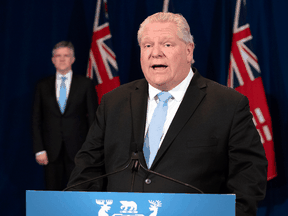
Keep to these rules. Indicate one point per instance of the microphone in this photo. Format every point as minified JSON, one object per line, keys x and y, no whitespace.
{"x":136,"y":165}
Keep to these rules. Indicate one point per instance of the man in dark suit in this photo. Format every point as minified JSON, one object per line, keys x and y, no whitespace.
{"x":64,"y":109}
{"x":208,"y":139}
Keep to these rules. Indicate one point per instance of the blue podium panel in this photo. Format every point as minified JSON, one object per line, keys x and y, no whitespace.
{"x":58,"y":203}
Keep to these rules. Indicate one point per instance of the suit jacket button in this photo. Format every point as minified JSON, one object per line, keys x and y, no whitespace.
{"x":148,"y":181}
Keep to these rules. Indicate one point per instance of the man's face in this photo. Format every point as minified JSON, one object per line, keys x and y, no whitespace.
{"x":63,"y":59}
{"x":165,"y":58}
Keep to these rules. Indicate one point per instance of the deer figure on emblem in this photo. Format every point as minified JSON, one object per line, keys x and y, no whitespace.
{"x":154,"y":207}
{"x":104,"y":207}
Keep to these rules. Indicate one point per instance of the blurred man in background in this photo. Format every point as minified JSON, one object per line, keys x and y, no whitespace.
{"x":64,"y":108}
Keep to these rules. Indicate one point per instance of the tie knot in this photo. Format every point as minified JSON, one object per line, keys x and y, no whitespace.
{"x":63,"y":78}
{"x":164,"y":96}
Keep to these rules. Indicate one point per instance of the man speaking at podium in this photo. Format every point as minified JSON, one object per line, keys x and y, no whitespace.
{"x":179,"y":126}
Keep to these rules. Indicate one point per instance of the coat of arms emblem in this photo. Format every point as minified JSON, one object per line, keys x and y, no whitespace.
{"x":128,"y":208}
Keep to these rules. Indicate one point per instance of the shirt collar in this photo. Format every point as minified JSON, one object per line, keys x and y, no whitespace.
{"x":67,"y":75}
{"x":177,"y":92}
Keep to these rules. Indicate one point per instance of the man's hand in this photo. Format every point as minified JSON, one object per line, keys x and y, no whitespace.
{"x":42,"y":159}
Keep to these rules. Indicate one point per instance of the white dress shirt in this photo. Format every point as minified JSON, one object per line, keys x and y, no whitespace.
{"x":67,"y":83}
{"x":173,"y":104}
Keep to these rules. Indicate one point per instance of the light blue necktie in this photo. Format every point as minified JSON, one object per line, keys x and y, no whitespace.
{"x":62,"y":97}
{"x":155,"y":130}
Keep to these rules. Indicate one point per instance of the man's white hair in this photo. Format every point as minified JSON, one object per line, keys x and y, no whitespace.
{"x":183,"y":29}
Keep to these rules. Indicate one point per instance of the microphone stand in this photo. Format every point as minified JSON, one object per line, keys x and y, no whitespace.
{"x":135,"y":167}
{"x":99,"y":177}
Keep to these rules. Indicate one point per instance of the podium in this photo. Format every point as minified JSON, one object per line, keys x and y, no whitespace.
{"x":71,"y":203}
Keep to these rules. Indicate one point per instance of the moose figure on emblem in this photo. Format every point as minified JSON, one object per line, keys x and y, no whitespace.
{"x":154,"y":207}
{"x":104,"y":207}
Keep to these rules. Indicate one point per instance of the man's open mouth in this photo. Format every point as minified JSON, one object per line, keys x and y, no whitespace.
{"x":159,"y":66}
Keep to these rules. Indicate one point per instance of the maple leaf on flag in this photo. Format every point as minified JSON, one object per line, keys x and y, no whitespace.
{"x":102,"y":65}
{"x":244,"y":76}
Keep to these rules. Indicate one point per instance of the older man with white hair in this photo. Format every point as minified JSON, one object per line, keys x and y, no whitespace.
{"x":188,"y":134}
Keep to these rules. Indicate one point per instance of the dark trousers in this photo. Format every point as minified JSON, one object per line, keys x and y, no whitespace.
{"x":57,"y":173}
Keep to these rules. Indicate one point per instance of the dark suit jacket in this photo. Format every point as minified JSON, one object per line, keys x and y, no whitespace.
{"x":51,"y":128}
{"x":212,"y":144}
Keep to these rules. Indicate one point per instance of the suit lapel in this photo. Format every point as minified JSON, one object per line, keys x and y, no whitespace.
{"x":193,"y":97}
{"x":52,"y":86}
{"x":73,"y":88}
{"x":139,"y":99}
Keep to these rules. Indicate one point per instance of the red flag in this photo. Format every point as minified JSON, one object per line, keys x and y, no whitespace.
{"x":244,"y":76}
{"x":102,"y":60}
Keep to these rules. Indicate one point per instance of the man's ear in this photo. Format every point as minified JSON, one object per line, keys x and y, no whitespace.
{"x":73,"y":60}
{"x":189,"y":51}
